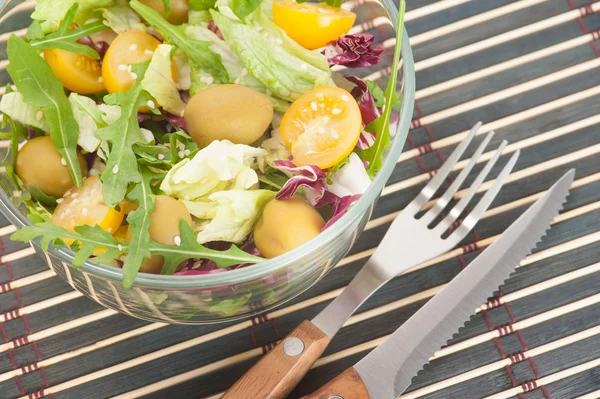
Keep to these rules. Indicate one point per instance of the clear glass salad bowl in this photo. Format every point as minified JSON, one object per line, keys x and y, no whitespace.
{"x":235,"y":294}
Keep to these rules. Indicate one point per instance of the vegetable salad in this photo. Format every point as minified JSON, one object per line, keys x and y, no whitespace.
{"x":191,"y":137}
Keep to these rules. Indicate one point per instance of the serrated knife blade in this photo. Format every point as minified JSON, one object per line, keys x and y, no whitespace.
{"x":388,"y":370}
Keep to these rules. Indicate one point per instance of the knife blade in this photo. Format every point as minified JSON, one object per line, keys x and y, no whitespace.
{"x":388,"y":370}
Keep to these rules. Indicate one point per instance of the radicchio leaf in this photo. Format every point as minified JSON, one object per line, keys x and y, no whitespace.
{"x":340,"y":206}
{"x":101,"y":46}
{"x":213,"y":27}
{"x":311,"y":178}
{"x":177,"y":121}
{"x":354,"y":51}
{"x":366,"y":101}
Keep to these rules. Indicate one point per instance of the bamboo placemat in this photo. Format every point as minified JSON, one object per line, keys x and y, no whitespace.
{"x":529,"y":69}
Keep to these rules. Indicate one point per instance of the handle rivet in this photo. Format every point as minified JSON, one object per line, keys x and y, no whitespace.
{"x":293,"y":346}
{"x":335,"y":397}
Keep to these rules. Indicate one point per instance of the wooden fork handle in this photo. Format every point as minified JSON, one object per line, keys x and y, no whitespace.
{"x":280,"y":370}
{"x":347,"y":385}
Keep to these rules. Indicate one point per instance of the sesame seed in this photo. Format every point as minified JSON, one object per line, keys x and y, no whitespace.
{"x":177,"y":240}
{"x":76,"y":200}
{"x":203,"y":79}
{"x":133,"y":47}
{"x":336,"y":111}
{"x":181,"y":154}
{"x":161,"y":156}
{"x":148,"y":52}
{"x":59,"y":200}
{"x":100,"y":79}
{"x":74,"y":195}
{"x":181,"y":146}
{"x":237,"y":81}
{"x":115,"y":170}
{"x":120,"y":247}
{"x":105,"y":23}
{"x":150,"y":104}
{"x":63,"y":162}
{"x":187,"y":152}
{"x":186,"y":197}
{"x":321,"y":129}
{"x":345,"y":98}
{"x":122,"y":258}
{"x":210,"y":80}
{"x":84,"y":211}
{"x":17,"y":193}
{"x":109,"y":230}
{"x":133,"y":75}
{"x":39,"y":115}
{"x":313,"y":105}
{"x":244,"y":72}
{"x":67,"y":193}
{"x":304,"y":67}
{"x":122,"y":67}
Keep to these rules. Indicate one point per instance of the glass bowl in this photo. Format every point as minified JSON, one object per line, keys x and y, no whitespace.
{"x":245,"y":292}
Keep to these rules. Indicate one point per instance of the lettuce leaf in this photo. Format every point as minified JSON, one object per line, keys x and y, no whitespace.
{"x":90,"y":117}
{"x":236,"y":213}
{"x":13,"y":105}
{"x":285,"y":75}
{"x":121,"y":18}
{"x":52,"y":12}
{"x":217,"y":167}
{"x":158,"y":81}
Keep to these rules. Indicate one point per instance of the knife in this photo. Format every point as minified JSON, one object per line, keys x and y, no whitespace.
{"x":387,"y":371}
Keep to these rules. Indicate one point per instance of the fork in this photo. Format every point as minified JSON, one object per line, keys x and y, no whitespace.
{"x":410,"y":241}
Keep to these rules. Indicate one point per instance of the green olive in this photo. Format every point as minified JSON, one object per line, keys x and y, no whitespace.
{"x":40,"y":165}
{"x":228,"y":112}
{"x":285,"y":225}
{"x":165,"y":218}
{"x":178,"y":13}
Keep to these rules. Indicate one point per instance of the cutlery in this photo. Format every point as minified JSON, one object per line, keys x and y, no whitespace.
{"x":280,"y":370}
{"x":388,"y":370}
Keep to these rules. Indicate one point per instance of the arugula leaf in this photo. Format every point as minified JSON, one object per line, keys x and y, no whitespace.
{"x":190,"y":249}
{"x":139,"y":222}
{"x":202,"y":5}
{"x":41,"y":196}
{"x":121,"y":165}
{"x":38,"y":85}
{"x":381,"y":125}
{"x":66,"y":39}
{"x":332,"y":3}
{"x":17,"y":131}
{"x":86,"y":238}
{"x":229,"y":307}
{"x":376,"y":92}
{"x":198,"y":51}
{"x":95,"y":113}
{"x":167,"y":4}
{"x":243,"y":8}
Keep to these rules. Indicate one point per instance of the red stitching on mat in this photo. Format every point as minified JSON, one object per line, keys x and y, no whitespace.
{"x":585,"y":10}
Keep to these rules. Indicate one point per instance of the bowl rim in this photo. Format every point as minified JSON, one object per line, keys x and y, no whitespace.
{"x":273,"y":265}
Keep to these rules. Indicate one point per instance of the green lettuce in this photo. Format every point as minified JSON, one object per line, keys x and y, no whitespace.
{"x":158,"y":81}
{"x":237,"y":72}
{"x":52,"y":12}
{"x":236,"y":213}
{"x":121,"y":18}
{"x":219,"y":166}
{"x":13,"y":105}
{"x":282,"y":73}
{"x":199,"y":17}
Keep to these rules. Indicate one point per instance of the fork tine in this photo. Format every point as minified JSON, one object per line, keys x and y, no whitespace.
{"x":489,"y":196}
{"x":437,"y":180}
{"x":447,"y":196}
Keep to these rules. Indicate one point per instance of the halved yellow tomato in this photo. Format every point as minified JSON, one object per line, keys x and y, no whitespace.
{"x":321,"y":127}
{"x":77,"y":72}
{"x":131,"y":47}
{"x":312,"y":25}
{"x":85,"y":206}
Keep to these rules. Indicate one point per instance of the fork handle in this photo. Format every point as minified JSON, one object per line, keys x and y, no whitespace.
{"x":280,"y":370}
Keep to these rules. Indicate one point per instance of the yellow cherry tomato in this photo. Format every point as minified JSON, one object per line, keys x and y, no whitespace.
{"x":85,"y":206}
{"x":77,"y":72}
{"x":321,"y":127}
{"x":131,"y":47}
{"x":312,"y":25}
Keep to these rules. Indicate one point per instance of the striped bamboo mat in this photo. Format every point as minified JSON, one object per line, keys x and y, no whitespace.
{"x":529,"y":69}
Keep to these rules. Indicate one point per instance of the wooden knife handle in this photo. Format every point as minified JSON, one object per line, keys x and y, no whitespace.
{"x":280,"y":370}
{"x":347,"y":385}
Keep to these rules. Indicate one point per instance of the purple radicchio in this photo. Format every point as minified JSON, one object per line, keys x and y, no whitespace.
{"x":213,"y":27}
{"x":339,"y":204}
{"x":368,"y":110}
{"x":100,"y":46}
{"x":354,"y":51}
{"x":310,"y":177}
{"x":177,"y":121}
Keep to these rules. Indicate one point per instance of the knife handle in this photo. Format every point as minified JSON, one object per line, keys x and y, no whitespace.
{"x":347,"y":385}
{"x":280,"y":370}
